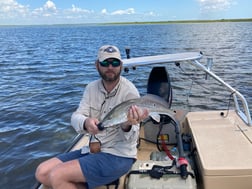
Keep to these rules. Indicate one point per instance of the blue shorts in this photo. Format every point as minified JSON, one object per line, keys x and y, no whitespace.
{"x":99,"y":168}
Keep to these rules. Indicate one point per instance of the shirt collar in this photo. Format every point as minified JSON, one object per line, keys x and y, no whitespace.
{"x":111,"y":93}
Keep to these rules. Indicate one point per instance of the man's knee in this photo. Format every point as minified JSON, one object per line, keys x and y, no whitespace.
{"x":40,"y":172}
{"x":55,"y":177}
{"x":44,"y":169}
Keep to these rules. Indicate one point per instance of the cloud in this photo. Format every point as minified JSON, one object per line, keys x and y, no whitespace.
{"x":79,"y":10}
{"x":49,"y":9}
{"x":49,"y":5}
{"x":12,"y":12}
{"x":12,"y":9}
{"x":151,"y":13}
{"x":123,"y":12}
{"x":119,"y":12}
{"x":75,"y":14}
{"x":215,"y":5}
{"x":104,"y":11}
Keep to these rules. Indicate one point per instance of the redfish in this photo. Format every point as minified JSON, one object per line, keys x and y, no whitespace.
{"x":155,"y":105}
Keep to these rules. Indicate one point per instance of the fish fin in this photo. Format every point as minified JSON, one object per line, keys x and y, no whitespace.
{"x":155,"y":116}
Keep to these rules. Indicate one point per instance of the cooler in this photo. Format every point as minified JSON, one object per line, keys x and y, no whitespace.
{"x":223,"y":150}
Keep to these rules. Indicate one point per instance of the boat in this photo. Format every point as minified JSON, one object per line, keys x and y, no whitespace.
{"x":202,"y":148}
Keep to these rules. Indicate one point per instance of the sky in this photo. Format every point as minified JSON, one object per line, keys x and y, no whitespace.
{"x":35,"y":12}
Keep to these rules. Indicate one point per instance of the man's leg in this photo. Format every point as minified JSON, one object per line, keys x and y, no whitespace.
{"x":67,"y":175}
{"x":43,"y":170}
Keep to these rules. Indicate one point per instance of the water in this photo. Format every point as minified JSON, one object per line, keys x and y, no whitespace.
{"x":44,"y":70}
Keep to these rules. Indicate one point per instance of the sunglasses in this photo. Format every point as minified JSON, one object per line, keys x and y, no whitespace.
{"x":114,"y":63}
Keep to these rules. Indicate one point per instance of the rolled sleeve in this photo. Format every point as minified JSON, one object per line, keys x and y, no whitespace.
{"x":77,"y":122}
{"x":80,"y":115}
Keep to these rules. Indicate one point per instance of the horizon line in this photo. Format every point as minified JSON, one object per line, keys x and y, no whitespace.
{"x":141,"y":22}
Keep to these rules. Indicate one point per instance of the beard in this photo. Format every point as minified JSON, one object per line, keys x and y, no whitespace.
{"x":110,"y":76}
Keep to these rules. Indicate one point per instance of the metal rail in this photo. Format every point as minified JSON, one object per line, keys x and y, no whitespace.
{"x":192,"y":58}
{"x":245,"y":116}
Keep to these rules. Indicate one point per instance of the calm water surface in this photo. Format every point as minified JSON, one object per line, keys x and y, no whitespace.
{"x":44,"y":70}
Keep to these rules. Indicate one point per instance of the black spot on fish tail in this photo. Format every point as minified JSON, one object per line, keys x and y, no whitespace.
{"x":100,"y":126}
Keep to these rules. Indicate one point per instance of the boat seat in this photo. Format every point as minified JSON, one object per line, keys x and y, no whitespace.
{"x":159,"y":84}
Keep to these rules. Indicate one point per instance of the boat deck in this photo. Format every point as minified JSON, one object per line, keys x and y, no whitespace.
{"x":223,"y":147}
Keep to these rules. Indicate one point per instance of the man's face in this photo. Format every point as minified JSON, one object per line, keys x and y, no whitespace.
{"x":110,"y":69}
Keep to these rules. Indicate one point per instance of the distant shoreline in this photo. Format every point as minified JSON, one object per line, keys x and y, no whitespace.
{"x":182,"y":21}
{"x":145,"y":22}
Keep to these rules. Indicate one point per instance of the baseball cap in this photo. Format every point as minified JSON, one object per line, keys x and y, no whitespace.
{"x":108,"y":51}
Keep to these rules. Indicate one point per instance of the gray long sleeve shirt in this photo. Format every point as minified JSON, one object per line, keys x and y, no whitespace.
{"x":97,"y":102}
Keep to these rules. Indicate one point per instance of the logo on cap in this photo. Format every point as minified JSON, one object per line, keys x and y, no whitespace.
{"x":110,"y":50}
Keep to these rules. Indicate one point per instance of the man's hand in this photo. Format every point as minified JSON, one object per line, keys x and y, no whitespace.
{"x":136,"y":115}
{"x":91,"y":125}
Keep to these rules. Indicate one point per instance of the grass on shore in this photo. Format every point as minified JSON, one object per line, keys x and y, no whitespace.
{"x":150,"y":22}
{"x":185,"y":21}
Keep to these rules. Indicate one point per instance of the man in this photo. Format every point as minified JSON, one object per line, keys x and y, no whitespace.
{"x":113,"y":150}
